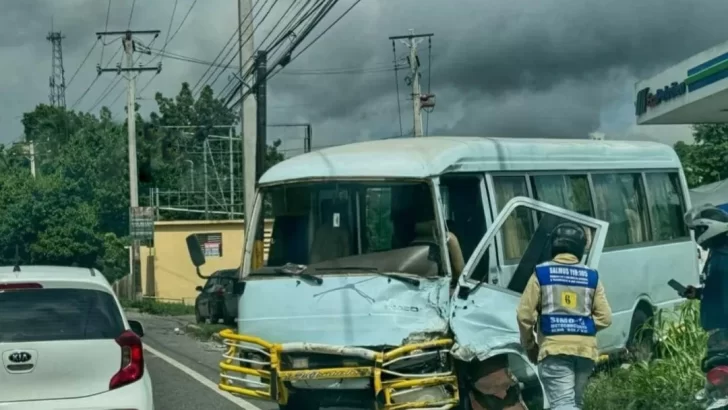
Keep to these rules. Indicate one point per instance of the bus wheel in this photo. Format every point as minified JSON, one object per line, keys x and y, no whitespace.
{"x":641,"y":343}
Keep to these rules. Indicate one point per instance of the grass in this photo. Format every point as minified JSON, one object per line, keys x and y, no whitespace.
{"x":154,"y":307}
{"x":668,"y":382}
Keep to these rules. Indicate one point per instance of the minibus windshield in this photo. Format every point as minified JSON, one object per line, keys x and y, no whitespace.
{"x":341,"y":226}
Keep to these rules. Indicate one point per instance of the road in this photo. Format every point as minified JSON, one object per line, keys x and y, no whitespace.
{"x":185,"y":371}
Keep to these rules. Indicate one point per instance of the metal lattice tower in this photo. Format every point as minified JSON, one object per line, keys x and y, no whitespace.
{"x":57,"y":79}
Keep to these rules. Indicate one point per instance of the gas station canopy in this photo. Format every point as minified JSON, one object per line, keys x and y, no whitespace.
{"x":692,"y":91}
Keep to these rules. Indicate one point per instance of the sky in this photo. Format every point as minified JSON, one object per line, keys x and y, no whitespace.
{"x":502,"y":68}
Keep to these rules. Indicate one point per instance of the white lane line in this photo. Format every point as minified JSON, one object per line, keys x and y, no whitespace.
{"x":202,"y":379}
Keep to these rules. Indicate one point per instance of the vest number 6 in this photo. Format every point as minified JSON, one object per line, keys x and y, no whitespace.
{"x":568,"y":300}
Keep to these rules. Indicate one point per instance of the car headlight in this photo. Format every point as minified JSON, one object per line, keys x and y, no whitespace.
{"x":299,"y":363}
{"x":417,"y":394}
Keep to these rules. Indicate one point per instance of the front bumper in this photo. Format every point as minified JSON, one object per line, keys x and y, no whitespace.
{"x":270,"y":376}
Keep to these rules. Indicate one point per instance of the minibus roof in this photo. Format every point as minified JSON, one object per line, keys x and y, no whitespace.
{"x":424,"y":157}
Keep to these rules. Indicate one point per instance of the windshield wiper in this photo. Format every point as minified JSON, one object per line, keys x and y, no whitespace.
{"x":401,"y":278}
{"x":290,"y":269}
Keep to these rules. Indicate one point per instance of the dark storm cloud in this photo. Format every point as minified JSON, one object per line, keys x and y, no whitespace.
{"x":486,"y":52}
{"x":499,"y":67}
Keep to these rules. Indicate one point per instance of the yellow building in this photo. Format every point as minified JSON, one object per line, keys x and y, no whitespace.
{"x":167,"y":271}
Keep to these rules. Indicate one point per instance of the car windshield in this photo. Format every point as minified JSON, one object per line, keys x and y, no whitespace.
{"x":350,"y":227}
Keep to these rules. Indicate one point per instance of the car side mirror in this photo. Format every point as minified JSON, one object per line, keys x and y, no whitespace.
{"x":136,"y":327}
{"x":198,"y":288}
{"x":195,"y":251}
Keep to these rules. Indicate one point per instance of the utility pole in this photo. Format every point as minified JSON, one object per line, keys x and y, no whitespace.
{"x":130,"y":70}
{"x":204,"y":172}
{"x":248,"y":107}
{"x":412,"y":40}
{"x":31,"y":152}
{"x":57,"y":80}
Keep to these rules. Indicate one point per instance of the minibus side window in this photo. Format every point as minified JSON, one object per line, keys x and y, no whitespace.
{"x":666,"y":206}
{"x":619,"y":199}
{"x":565,"y":191}
{"x":518,"y":228}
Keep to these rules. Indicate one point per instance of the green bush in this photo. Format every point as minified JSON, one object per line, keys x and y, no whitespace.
{"x":668,"y":382}
{"x":154,"y":307}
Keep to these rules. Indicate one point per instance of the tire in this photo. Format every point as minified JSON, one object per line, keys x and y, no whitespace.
{"x":199,"y":319}
{"x":299,"y":402}
{"x":641,"y":344}
{"x":226,"y":317}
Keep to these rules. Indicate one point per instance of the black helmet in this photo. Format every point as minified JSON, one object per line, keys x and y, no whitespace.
{"x":568,"y":237}
{"x":710,"y":225}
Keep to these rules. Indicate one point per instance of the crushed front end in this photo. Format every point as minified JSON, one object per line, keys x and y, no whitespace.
{"x":415,"y":375}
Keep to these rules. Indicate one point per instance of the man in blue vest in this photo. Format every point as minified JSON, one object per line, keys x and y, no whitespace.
{"x":568,"y":302}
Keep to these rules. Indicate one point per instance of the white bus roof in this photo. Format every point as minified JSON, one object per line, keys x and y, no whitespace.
{"x":429,"y":156}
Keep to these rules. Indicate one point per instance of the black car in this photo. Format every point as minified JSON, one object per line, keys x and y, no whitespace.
{"x":216,"y":299}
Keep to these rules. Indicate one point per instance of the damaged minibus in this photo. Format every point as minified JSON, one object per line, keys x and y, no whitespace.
{"x":393,"y":269}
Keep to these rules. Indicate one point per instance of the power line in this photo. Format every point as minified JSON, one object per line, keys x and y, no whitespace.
{"x":106,"y":27}
{"x":169,"y":38}
{"x":112,"y":84}
{"x":324,"y":7}
{"x":93,"y":82}
{"x":291,"y":31}
{"x":319,"y":36}
{"x":82,"y":62}
{"x":237,"y":30}
{"x":240,"y":28}
{"x":131,"y":14}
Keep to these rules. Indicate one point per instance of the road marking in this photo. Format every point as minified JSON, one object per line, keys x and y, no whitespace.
{"x":202,"y":379}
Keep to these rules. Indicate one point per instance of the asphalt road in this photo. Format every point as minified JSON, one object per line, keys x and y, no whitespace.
{"x":184,"y":371}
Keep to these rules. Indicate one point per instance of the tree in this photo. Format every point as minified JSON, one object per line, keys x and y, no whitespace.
{"x":706,"y":160}
{"x":75,"y":211}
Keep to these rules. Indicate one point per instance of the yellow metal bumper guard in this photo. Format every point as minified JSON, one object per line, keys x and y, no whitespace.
{"x":390,"y":394}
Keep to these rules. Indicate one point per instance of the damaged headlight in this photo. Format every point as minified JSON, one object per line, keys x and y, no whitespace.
{"x":299,"y":363}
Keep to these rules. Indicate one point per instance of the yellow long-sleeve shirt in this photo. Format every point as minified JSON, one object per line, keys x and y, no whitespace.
{"x":574,"y":345}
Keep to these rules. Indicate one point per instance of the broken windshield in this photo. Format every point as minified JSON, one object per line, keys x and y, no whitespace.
{"x":351,"y":227}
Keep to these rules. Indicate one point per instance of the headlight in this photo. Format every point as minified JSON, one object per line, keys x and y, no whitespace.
{"x":300,"y":363}
{"x":428,"y":394}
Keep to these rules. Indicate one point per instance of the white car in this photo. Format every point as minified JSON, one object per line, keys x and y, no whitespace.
{"x":65,"y":343}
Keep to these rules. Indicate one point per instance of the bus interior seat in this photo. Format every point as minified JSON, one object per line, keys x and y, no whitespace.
{"x":330,"y":242}
{"x":288,"y":231}
{"x":425,"y":233}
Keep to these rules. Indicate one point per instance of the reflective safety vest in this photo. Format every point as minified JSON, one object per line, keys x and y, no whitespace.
{"x":567,"y":298}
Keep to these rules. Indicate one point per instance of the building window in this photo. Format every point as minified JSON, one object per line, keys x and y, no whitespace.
{"x":666,"y":206}
{"x":211,"y":244}
{"x":518,"y":228}
{"x":565,"y":191}
{"x":620,"y":200}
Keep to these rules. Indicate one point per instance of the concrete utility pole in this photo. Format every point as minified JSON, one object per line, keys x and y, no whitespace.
{"x":412,"y":40}
{"x":248,"y":108}
{"x":130,"y":70}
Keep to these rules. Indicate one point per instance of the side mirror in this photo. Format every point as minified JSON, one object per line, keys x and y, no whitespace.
{"x":136,"y":327}
{"x":195,"y":251}
{"x":198,"y":288}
